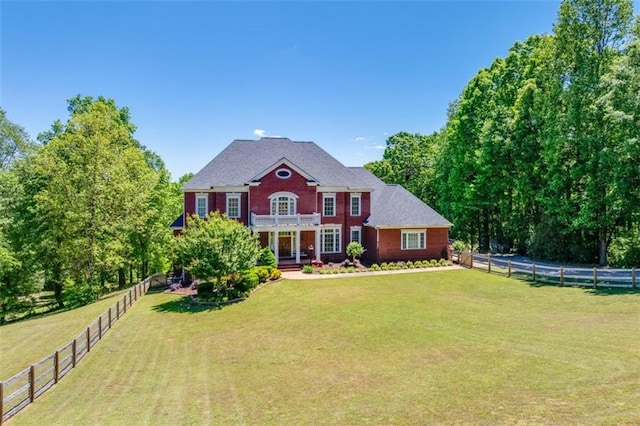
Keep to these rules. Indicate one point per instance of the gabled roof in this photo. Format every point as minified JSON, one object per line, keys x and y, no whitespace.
{"x":394,"y":206}
{"x":241,"y":161}
{"x":244,"y":161}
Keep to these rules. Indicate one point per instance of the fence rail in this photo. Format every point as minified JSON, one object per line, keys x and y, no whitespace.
{"x":24,"y":387}
{"x":560,"y":275}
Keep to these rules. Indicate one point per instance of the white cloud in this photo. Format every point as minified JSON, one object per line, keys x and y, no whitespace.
{"x":380,"y":147}
{"x":360,"y":139}
{"x":260,"y":133}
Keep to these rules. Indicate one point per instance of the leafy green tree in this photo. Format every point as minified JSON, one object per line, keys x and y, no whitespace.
{"x":267,"y":258}
{"x":355,"y":250}
{"x":215,"y":247}
{"x":14,"y":141}
{"x":88,"y":189}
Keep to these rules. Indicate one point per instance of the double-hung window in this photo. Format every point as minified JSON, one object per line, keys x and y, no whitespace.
{"x":414,"y":239}
{"x":329,"y":204}
{"x":355,"y":204}
{"x":356,"y":234}
{"x":202,"y":205}
{"x":330,"y":240}
{"x":233,"y":205}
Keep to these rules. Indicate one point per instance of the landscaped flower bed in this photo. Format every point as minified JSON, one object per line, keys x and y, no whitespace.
{"x":348,"y":267}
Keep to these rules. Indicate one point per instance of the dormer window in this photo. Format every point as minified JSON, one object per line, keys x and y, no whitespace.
{"x":283,"y":173}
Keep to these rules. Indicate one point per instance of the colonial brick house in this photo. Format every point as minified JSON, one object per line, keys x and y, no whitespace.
{"x":306,"y":205}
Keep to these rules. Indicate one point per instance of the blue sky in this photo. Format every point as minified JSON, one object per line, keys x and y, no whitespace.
{"x":197,"y":75}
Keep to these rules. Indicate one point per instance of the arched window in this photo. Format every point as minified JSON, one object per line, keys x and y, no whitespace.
{"x":283,"y":204}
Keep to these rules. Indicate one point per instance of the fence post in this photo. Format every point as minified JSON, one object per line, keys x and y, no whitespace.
{"x":595,"y":278}
{"x":74,"y":352}
{"x":117,"y":309}
{"x":509,"y":268}
{"x":489,"y":263}
{"x":56,"y":367}
{"x":633,"y":278}
{"x":130,"y":301}
{"x":100,"y":327}
{"x":109,"y":317}
{"x":124,"y":304}
{"x":32,"y":383}
{"x":470,"y":260}
{"x":1,"y":402}
{"x":88,"y":339}
{"x":561,"y":276}
{"x":533,"y":272}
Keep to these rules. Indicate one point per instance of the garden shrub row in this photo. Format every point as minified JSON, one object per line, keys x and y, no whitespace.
{"x":238,"y":285}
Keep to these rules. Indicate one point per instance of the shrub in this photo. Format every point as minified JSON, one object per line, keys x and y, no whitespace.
{"x":335,"y":271}
{"x":375,"y":267}
{"x":263,"y":273}
{"x":267,"y":258}
{"x":354,"y":250}
{"x":443,"y":262}
{"x":205,"y":289}
{"x":248,"y":281}
{"x":351,"y":269}
{"x":433,"y":262}
{"x":275,"y":274}
{"x":409,"y":264}
{"x":307,"y":269}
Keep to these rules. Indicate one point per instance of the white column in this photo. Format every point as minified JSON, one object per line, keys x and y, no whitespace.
{"x":275,"y":246}
{"x":318,"y":248}
{"x":297,"y":244}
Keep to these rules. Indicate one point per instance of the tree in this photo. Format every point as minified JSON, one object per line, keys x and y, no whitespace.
{"x":355,"y":250}
{"x":87,"y":189}
{"x":215,"y":247}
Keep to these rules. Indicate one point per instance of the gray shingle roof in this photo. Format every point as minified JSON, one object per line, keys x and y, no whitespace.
{"x":393,"y":205}
{"x":241,"y":161}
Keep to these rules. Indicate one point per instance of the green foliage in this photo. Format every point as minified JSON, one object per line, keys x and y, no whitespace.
{"x":263,"y":273}
{"x":216,"y":247}
{"x":276,"y":274}
{"x":205,"y":289}
{"x":267,"y":258}
{"x":307,"y":269}
{"x":459,"y":245}
{"x":355,"y":250}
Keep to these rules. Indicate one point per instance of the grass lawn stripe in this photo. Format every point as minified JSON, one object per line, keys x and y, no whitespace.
{"x":436,"y":347}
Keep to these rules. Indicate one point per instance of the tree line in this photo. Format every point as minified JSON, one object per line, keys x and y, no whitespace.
{"x":83,"y":210}
{"x":540,"y":153}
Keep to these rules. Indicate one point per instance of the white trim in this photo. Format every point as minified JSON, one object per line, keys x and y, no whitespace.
{"x":355,"y":228}
{"x":336,"y":233}
{"x":355,"y":196}
{"x":326,"y":196}
{"x":292,"y":199}
{"x":234,"y":196}
{"x":205,"y":197}
{"x":421,"y":241}
{"x":282,"y":169}
{"x":281,"y":162}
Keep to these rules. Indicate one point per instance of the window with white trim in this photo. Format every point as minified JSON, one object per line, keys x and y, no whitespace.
{"x":414,"y":240}
{"x":356,"y":234}
{"x":283,"y":205}
{"x":233,"y":205}
{"x":356,"y":201}
{"x":202,"y":205}
{"x":328,"y":204}
{"x":330,"y":240}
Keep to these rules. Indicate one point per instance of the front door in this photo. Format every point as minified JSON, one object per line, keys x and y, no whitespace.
{"x":286,"y":244}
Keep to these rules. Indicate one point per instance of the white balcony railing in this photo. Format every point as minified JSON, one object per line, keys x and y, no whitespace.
{"x":288,"y":220}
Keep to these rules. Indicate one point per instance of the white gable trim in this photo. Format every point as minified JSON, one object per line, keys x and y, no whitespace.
{"x":283,"y":162}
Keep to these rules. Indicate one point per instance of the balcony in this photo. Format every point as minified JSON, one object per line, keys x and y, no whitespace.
{"x":282,"y":220}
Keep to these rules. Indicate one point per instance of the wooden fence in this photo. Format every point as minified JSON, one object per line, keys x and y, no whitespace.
{"x":23,"y":388}
{"x":560,"y":275}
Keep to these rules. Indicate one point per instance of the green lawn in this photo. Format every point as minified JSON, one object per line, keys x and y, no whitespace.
{"x":26,"y":342}
{"x":433,"y":347}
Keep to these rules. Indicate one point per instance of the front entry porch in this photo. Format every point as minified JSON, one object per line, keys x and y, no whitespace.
{"x":292,"y":246}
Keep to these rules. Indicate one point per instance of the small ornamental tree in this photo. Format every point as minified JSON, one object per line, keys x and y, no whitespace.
{"x":216,"y":247}
{"x":355,"y":250}
{"x":267,"y":258}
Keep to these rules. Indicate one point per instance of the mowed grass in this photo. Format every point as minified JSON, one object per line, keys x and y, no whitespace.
{"x":434,"y":347}
{"x":26,"y":342}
